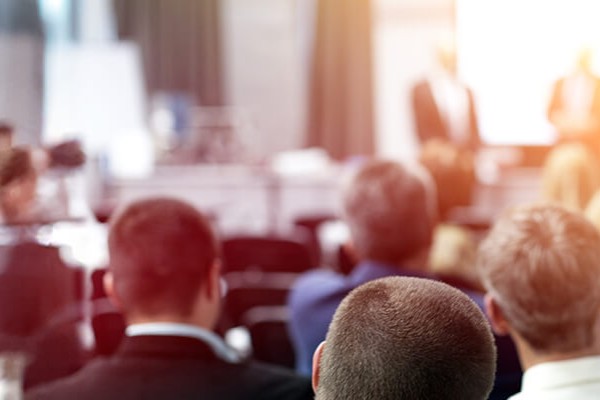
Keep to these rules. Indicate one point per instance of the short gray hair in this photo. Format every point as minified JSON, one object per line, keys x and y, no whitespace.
{"x":541,"y":264}
{"x":390,"y":209}
{"x":407,"y":338}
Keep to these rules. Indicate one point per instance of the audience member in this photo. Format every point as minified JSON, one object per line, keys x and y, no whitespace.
{"x":406,"y":338}
{"x":7,"y":133}
{"x":443,"y":106}
{"x":37,"y":289}
{"x":541,"y":267}
{"x":18,"y":180}
{"x":390,"y":211}
{"x":164,"y":276}
{"x":570,"y":176}
{"x":20,"y":170}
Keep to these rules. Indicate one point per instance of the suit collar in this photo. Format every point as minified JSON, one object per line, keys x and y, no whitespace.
{"x":185,"y":330}
{"x":167,"y":347}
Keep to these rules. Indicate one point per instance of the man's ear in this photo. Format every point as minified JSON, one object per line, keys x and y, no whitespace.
{"x":496,"y":316}
{"x":212,"y":288}
{"x":109,"y":289}
{"x":316,"y":365}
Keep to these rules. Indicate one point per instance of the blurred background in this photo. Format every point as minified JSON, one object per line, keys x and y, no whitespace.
{"x":182,"y":96}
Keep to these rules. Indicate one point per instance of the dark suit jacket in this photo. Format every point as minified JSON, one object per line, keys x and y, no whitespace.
{"x":429,"y":122}
{"x":38,"y":310}
{"x":35,"y":286}
{"x":169,"y":367}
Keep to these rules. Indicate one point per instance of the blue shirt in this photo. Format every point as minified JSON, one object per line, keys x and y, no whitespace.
{"x":315,"y":297}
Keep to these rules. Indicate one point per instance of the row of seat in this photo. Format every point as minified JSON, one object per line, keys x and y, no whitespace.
{"x":258,"y":273}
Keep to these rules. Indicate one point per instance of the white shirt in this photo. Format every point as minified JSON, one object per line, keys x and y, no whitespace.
{"x":452,"y":100}
{"x":185,"y":330}
{"x":576,"y":379}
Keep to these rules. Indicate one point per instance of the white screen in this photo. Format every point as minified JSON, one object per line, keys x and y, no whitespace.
{"x":512,"y":51}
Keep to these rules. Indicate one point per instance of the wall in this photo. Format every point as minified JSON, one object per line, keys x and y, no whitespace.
{"x":404,"y":35}
{"x":266,"y":56}
{"x":265,"y":72}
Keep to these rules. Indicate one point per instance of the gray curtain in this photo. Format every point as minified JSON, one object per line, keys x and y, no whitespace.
{"x":22,"y":68}
{"x":180,"y":45}
{"x":341,"y":100}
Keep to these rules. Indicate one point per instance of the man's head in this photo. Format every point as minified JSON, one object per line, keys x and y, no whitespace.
{"x":18,"y":182}
{"x":406,"y":338}
{"x":6,"y":135}
{"x":163,"y":262}
{"x":541,"y":267}
{"x":390,"y":210}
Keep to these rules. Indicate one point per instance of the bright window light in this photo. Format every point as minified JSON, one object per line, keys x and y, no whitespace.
{"x":512,"y":51}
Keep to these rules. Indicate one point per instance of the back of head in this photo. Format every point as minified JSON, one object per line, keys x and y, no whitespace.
{"x":161,"y":251}
{"x":571,"y":175}
{"x":18,"y":180}
{"x":15,"y":164}
{"x":390,"y":210}
{"x":407,"y":338}
{"x":541,"y":265}
{"x":6,"y":135}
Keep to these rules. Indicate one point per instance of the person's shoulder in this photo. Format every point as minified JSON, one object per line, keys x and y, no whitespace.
{"x":275,"y":382}
{"x":320,"y":276}
{"x":316,"y":283}
{"x":76,"y":386}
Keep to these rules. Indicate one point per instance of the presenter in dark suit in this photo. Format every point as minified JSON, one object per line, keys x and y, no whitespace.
{"x":164,"y":276}
{"x":444,"y":107}
{"x":574,"y":108}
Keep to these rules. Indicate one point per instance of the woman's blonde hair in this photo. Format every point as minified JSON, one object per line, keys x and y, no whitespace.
{"x":571,"y":176}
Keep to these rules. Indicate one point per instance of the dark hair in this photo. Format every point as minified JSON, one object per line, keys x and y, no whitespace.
{"x":541,"y":264}
{"x":161,"y":251}
{"x":15,"y":164}
{"x":6,"y":129}
{"x":407,"y":338}
{"x":390,"y":209}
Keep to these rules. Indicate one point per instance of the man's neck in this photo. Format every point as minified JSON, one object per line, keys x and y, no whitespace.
{"x":530,"y":358}
{"x":137,"y":319}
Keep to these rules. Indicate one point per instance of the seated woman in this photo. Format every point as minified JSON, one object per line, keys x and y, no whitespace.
{"x":37,"y":289}
{"x":570,"y":176}
{"x":18,"y":182}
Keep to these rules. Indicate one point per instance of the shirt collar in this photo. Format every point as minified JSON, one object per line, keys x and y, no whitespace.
{"x":185,"y":330}
{"x":368,"y":270}
{"x":557,"y":374}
